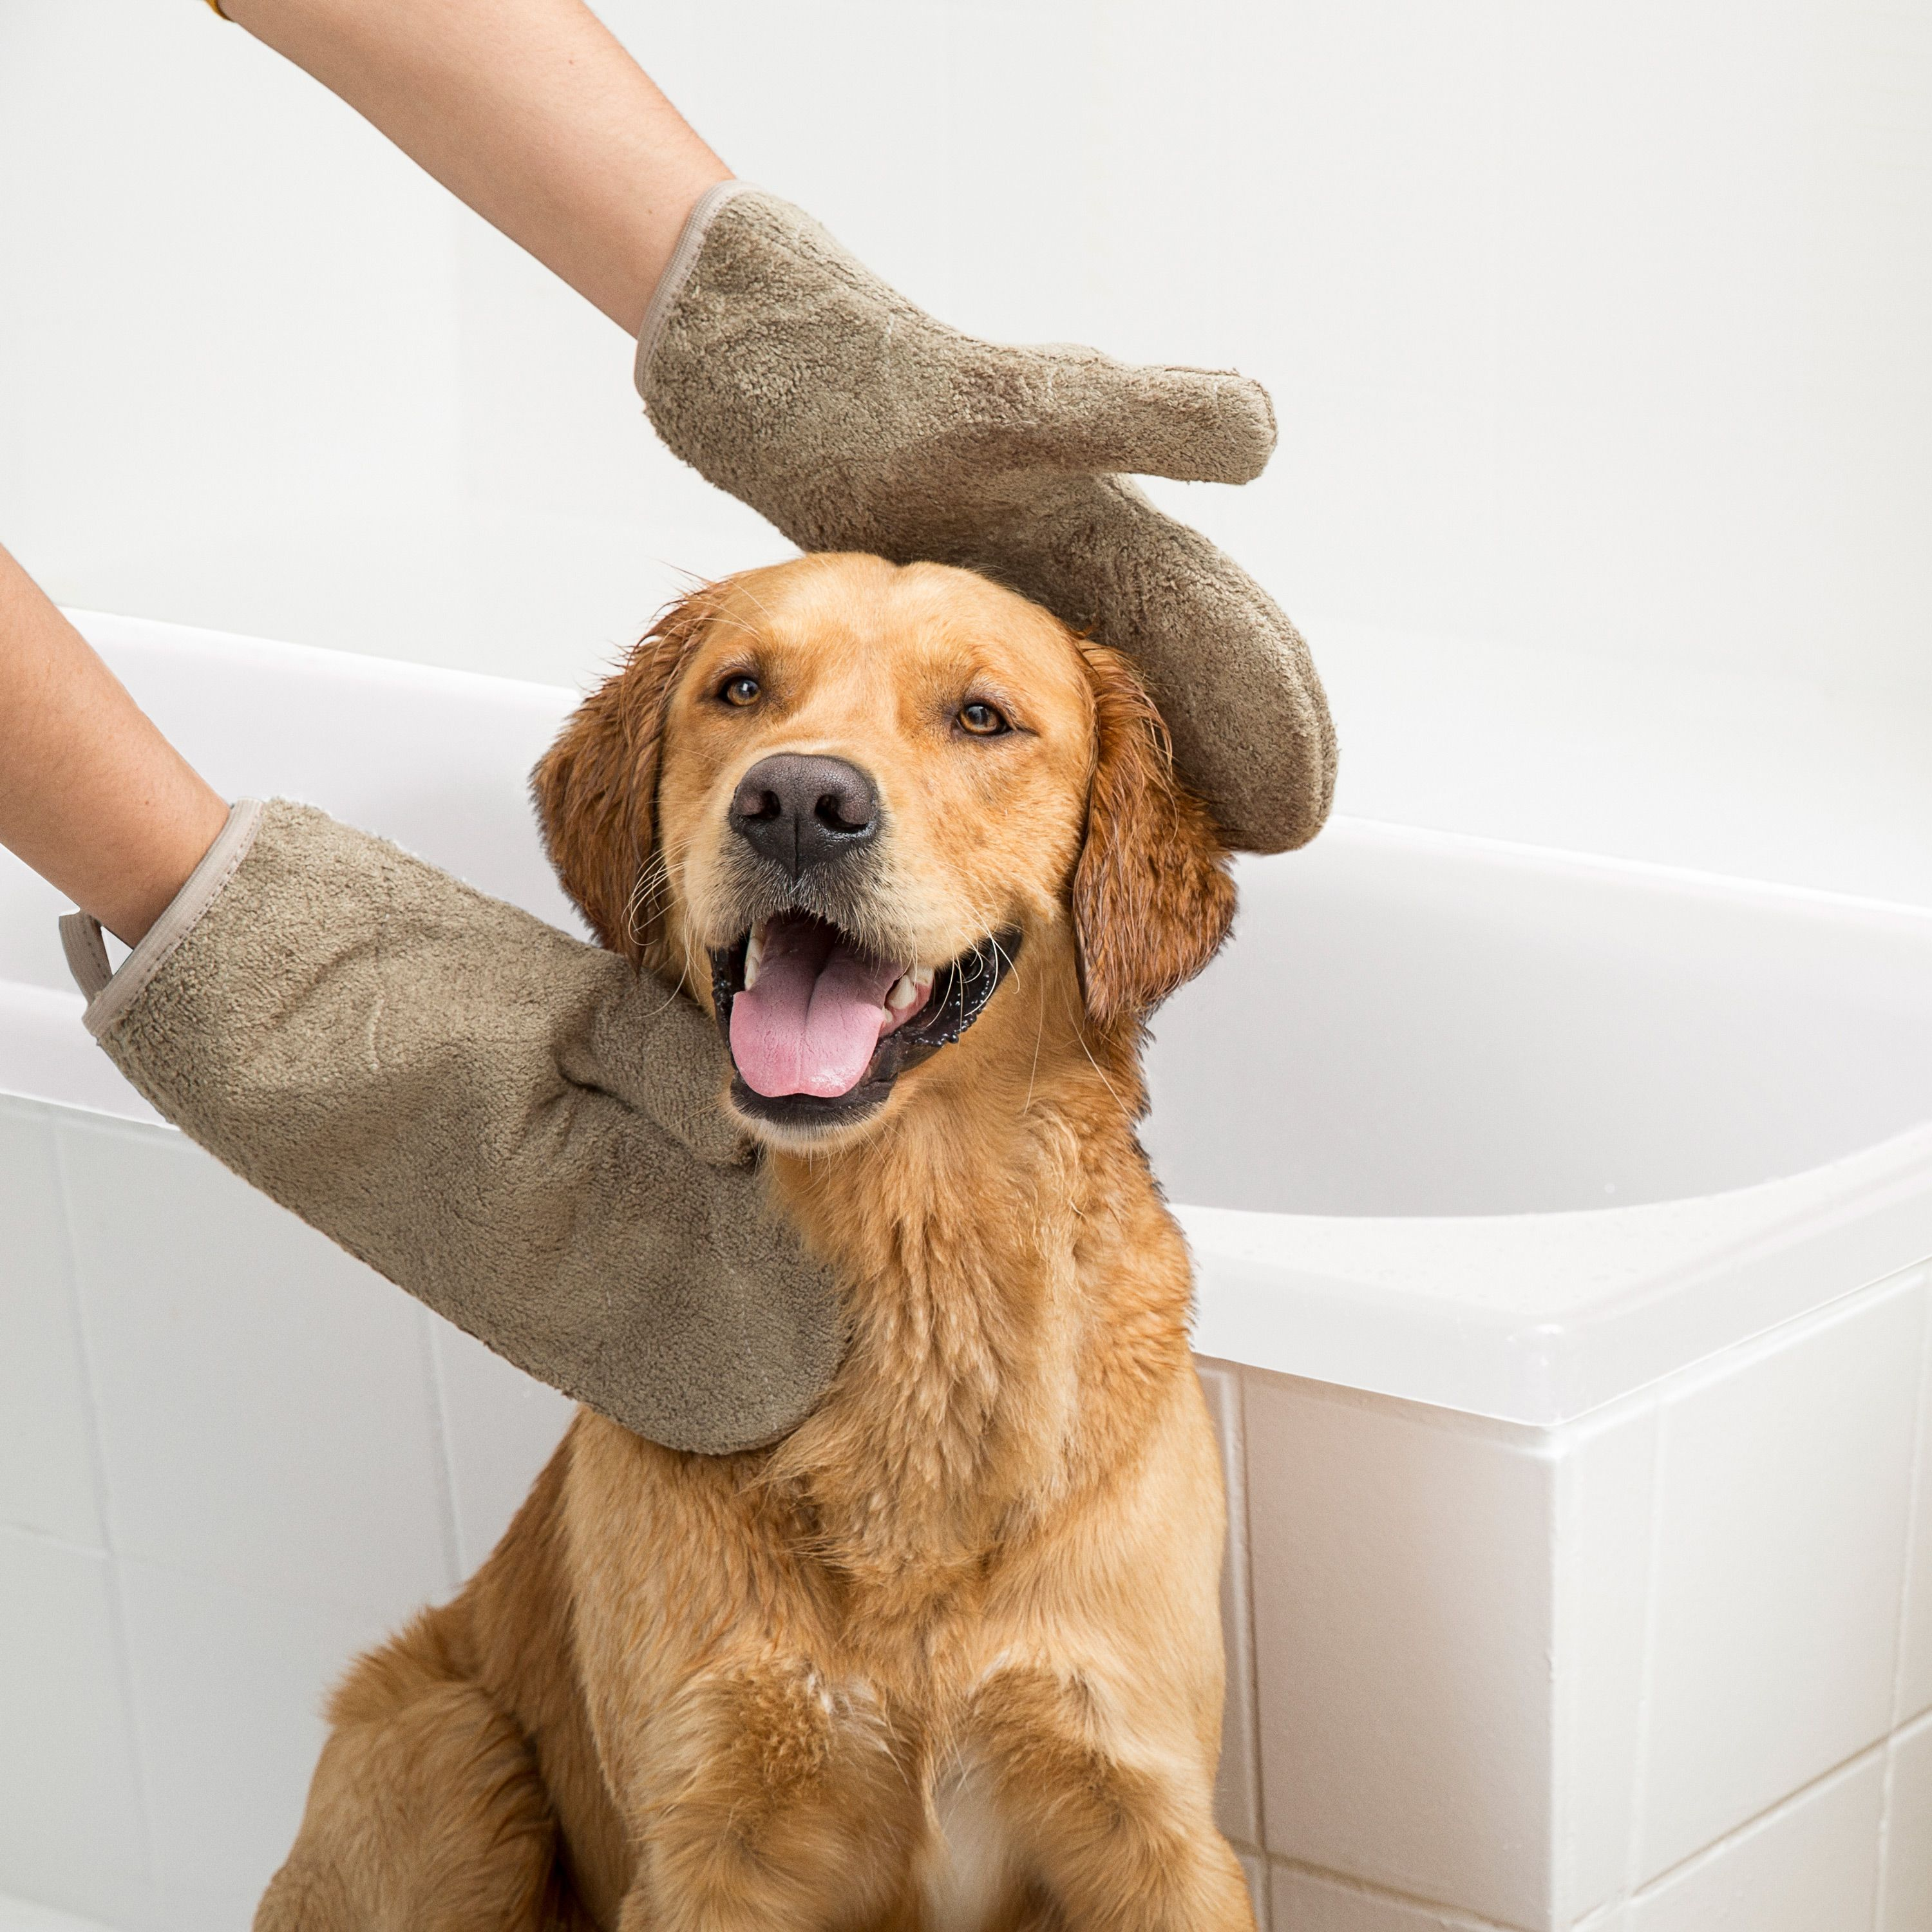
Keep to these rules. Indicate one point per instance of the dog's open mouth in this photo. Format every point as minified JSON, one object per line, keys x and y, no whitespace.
{"x":820,"y":1027}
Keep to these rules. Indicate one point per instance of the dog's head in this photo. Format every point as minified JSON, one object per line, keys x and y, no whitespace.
{"x":847,"y":801}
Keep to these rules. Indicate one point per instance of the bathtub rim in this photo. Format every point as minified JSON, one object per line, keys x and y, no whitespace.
{"x":1278,"y":1291}
{"x":1361,"y":1304}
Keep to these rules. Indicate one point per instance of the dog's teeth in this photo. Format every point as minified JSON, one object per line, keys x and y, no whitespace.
{"x":754,"y":951}
{"x":909,"y":990}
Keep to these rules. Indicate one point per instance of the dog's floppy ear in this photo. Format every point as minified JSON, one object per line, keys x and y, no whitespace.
{"x":596,"y":787}
{"x":1152,"y":898}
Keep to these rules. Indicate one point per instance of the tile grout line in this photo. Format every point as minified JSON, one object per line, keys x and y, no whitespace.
{"x":1565,"y":1543}
{"x":1915,"y":1495}
{"x":1921,"y":1416}
{"x":1452,"y":1917}
{"x":53,"y":1540}
{"x":1609,"y":1914}
{"x":437,"y":1395}
{"x":260,"y":1595}
{"x":117,"y":1606}
{"x":1636,"y":1886}
{"x":1647,"y":1665}
{"x":1759,"y":1821}
{"x":1251,"y":1714}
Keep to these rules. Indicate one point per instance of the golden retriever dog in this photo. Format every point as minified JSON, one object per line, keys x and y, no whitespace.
{"x":948,"y":1657}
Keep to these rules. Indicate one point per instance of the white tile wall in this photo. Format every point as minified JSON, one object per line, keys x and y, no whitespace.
{"x":1783,"y":1489}
{"x":46,"y":1454}
{"x":1914,"y":1676}
{"x":1614,"y":1917}
{"x":306,"y":1464}
{"x":1528,"y":1675}
{"x":1810,"y":1866}
{"x":1311,"y":1901}
{"x":1254,"y":1868}
{"x":18,"y":1915}
{"x":229,"y":1687}
{"x":1907,"y":1884}
{"x":1238,"y":1794}
{"x":500,"y":1426}
{"x":1606,"y":1484}
{"x":72,"y":1830}
{"x":295,"y":1458}
{"x":1402,"y":1629}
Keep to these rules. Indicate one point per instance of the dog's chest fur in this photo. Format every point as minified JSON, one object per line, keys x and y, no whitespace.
{"x":908,"y":1546}
{"x":971,"y":1867}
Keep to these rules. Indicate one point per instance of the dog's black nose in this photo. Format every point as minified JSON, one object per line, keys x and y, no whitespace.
{"x":802,"y":811}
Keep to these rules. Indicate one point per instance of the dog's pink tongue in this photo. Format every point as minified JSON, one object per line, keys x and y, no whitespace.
{"x":811,"y":1023}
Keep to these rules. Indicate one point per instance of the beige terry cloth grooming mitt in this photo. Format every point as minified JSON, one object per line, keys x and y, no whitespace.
{"x":513,"y":1126}
{"x":789,"y":374}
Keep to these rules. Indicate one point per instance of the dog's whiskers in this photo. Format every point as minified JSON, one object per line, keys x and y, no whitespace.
{"x":1080,"y":1033}
{"x":1040,"y":1034}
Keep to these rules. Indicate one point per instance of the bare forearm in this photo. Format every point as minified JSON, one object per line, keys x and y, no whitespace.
{"x":92,"y":796}
{"x":528,"y":110}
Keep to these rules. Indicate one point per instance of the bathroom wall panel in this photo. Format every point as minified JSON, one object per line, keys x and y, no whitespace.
{"x":1784,"y":1486}
{"x":1915,"y":1670}
{"x":1238,"y":1789}
{"x":73,"y":1832}
{"x":1306,"y":1901}
{"x":1254,"y":1869}
{"x":1810,"y":1866}
{"x":264,"y":1400}
{"x":229,"y":1687}
{"x":191,"y":1908}
{"x":46,"y":1449}
{"x":1387,"y":1539}
{"x":19,"y":1915}
{"x":1605,"y":1472}
{"x":1907,"y":1885}
{"x":501,"y":1427}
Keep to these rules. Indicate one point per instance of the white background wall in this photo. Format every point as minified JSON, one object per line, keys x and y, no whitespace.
{"x":1601,"y":340}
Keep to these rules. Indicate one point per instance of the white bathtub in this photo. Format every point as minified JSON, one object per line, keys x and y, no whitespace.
{"x":1563,"y":1229}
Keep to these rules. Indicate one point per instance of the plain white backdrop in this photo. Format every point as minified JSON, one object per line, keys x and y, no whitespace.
{"x":1598,"y":337}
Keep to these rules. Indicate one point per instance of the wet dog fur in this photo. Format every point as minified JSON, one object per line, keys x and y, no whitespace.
{"x":947,"y":1658}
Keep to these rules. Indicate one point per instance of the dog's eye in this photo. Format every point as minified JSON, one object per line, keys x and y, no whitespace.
{"x":741,"y":690}
{"x":982,"y":720}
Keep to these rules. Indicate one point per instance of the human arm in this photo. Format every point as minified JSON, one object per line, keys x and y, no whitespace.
{"x":92,"y":796}
{"x":530,"y":111}
{"x":779,"y":367}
